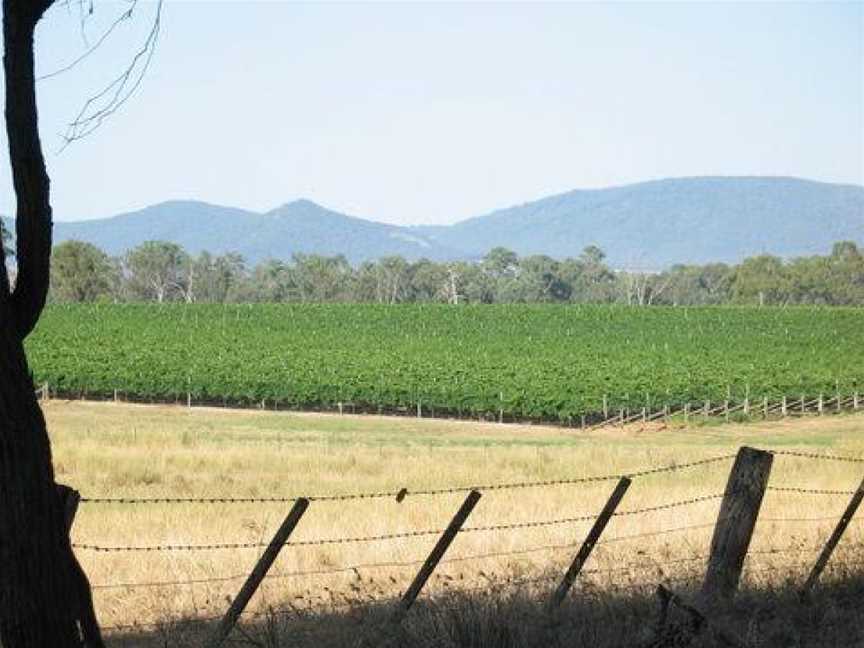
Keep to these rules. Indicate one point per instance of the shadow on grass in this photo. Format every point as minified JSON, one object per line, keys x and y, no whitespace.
{"x":761,"y":616}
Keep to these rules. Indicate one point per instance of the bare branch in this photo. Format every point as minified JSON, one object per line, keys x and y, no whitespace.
{"x":126,"y":15}
{"x":104,"y":104}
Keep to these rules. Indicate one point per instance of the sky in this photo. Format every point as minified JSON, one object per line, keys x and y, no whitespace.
{"x":416,"y":113}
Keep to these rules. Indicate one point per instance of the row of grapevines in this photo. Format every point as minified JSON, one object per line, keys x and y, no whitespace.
{"x":529,"y":361}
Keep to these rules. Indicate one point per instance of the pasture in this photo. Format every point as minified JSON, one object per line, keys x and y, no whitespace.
{"x":338,"y":562}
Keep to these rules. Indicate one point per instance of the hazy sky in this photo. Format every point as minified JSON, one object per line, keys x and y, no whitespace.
{"x":429,"y":113}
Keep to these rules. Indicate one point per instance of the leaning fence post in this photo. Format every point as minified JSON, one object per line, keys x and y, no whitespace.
{"x":829,"y":547}
{"x":258,"y":573}
{"x":435,"y":556}
{"x":591,"y":540}
{"x":736,"y":521}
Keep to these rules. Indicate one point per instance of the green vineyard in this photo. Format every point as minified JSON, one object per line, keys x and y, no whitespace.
{"x":522,"y":361}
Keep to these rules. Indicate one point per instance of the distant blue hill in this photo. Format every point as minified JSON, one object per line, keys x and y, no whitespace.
{"x":660,"y":223}
{"x":650,"y":225}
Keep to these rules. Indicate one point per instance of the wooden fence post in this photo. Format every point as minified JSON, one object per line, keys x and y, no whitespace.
{"x":605,"y":407}
{"x":69,"y":500}
{"x":783,"y":408}
{"x":736,"y":520}
{"x":821,"y":405}
{"x":765,"y":406}
{"x":829,"y":547}
{"x":707,"y":409}
{"x":435,"y":556}
{"x":591,"y":540}
{"x":258,"y":573}
{"x":855,"y":400}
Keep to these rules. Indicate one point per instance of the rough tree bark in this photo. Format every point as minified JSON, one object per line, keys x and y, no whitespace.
{"x":40,"y":581}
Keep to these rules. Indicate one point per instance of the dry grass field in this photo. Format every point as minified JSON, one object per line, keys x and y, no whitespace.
{"x":119,"y":450}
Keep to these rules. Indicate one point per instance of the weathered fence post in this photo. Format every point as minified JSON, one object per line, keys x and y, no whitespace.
{"x":803,"y":408}
{"x":435,"y":556}
{"x":707,"y":409}
{"x":829,"y":547}
{"x":69,"y":500}
{"x":736,"y":521}
{"x":783,"y":407}
{"x":855,"y":400}
{"x":686,"y":413}
{"x":591,"y":540}
{"x":644,"y":415}
{"x":605,"y":407}
{"x":258,"y":573}
{"x":765,"y":406}
{"x":821,"y":405}
{"x":726,"y":410}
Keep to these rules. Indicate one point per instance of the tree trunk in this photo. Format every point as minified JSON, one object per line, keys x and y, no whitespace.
{"x":39,"y":593}
{"x":37,"y":600}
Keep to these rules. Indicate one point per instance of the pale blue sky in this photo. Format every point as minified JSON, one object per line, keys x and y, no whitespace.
{"x":429,"y":113}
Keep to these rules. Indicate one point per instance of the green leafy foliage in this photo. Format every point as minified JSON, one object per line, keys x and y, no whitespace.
{"x":532,"y":361}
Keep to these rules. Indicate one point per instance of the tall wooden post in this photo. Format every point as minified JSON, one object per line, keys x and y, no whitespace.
{"x":736,"y":521}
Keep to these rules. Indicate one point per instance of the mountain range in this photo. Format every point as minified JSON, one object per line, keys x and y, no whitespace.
{"x":650,"y":225}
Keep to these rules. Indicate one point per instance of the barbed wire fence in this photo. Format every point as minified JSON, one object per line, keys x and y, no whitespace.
{"x":729,"y":555}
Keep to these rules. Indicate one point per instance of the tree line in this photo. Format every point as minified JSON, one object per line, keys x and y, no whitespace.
{"x":159,"y":271}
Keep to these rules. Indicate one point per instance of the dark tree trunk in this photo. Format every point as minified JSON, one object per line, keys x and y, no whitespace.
{"x":39,"y":577}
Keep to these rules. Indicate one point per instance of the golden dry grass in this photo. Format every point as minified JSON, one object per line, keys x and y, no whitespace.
{"x":106,"y":449}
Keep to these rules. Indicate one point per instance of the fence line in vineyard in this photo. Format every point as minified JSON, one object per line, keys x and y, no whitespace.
{"x":708,"y":410}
